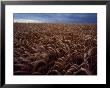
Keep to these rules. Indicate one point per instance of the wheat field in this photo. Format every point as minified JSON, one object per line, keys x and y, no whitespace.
{"x":55,"y":49}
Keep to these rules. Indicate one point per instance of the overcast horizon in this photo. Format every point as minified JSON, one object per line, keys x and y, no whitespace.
{"x":55,"y":17}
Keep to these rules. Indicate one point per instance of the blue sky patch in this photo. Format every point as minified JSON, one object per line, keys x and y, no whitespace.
{"x":56,"y":17}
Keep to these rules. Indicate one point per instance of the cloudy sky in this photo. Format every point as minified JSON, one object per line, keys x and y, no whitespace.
{"x":56,"y":17}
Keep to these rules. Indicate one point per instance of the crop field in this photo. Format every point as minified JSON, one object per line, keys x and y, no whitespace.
{"x":55,"y":49}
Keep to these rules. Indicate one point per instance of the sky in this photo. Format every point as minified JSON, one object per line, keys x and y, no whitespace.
{"x":56,"y":17}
